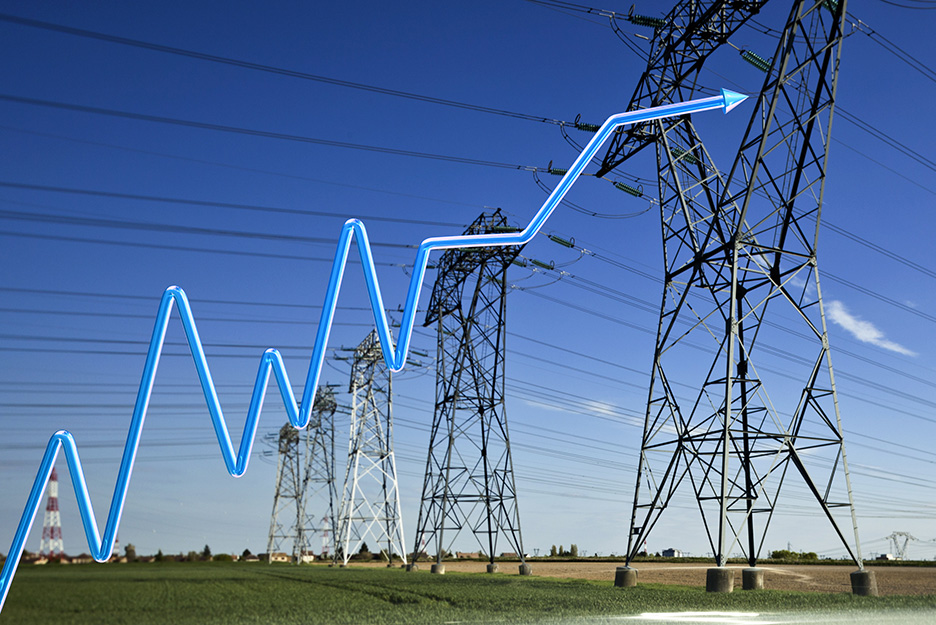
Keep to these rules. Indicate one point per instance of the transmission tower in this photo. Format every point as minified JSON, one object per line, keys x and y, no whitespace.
{"x":469,"y":480}
{"x":735,"y":245}
{"x":305,"y":480}
{"x":51,"y":544}
{"x":899,"y":541}
{"x":370,"y":504}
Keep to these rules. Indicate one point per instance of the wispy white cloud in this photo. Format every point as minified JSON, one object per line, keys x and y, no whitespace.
{"x":864,"y":331}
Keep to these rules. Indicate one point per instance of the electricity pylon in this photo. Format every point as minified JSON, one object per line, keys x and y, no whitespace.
{"x":469,"y":480}
{"x":899,"y":541}
{"x":370,"y":503}
{"x":305,"y":480}
{"x":734,"y":246}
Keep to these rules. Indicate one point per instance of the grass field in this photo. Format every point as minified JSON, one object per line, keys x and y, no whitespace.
{"x":258,"y":593}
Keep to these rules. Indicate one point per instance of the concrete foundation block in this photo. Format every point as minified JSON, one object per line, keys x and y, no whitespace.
{"x":719,"y":579}
{"x":412,"y":566}
{"x":492,"y":567}
{"x":752,"y":579}
{"x":438,"y":569}
{"x":863,"y":583}
{"x":625,"y":577}
{"x":526,"y":569}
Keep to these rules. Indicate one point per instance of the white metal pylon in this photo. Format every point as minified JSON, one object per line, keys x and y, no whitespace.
{"x":303,"y":503}
{"x":370,"y":503}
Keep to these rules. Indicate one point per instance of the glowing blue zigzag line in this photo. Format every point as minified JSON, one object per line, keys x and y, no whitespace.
{"x":272,"y":361}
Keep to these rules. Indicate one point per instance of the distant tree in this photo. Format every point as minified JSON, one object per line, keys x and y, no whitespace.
{"x":223,"y":557}
{"x":246,"y":553}
{"x":562,"y":550}
{"x":130,"y":552}
{"x":573,"y":550}
{"x":159,"y":557}
{"x":206,"y":553}
{"x":363,"y":549}
{"x":192,"y":556}
{"x":552,"y":551}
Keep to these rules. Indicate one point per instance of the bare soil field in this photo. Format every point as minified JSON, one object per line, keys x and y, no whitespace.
{"x":891,"y":580}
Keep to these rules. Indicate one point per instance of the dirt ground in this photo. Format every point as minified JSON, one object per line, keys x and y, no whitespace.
{"x":891,"y":580}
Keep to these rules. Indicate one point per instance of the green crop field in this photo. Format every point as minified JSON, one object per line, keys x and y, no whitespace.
{"x":258,"y":593}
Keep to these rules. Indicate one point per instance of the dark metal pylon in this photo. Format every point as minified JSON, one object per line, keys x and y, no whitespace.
{"x":305,"y":480}
{"x":469,"y":481}
{"x":733,"y":245}
{"x":370,"y":503}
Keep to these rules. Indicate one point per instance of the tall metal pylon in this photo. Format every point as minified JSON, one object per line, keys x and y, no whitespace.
{"x":469,"y":481}
{"x":305,"y":480}
{"x":735,"y":245}
{"x":370,"y":503}
{"x":52,"y":544}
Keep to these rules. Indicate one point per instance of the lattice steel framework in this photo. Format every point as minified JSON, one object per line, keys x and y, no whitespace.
{"x":734,"y":245}
{"x":370,"y":503}
{"x":305,"y":481}
{"x":469,"y":480}
{"x":691,"y":32}
{"x":52,"y":544}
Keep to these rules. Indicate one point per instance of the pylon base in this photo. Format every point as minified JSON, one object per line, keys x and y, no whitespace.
{"x":719,"y":579}
{"x":752,"y":578}
{"x":625,"y":577}
{"x":863,"y":583}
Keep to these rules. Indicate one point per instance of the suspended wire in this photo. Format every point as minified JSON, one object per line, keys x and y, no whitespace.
{"x":581,"y":209}
{"x":901,"y":54}
{"x":235,"y":167}
{"x":184,"y":248}
{"x":173,"y":228}
{"x":928,"y":5}
{"x":887,"y":139}
{"x":897,"y":173}
{"x":217,"y":204}
{"x":270,"y":68}
{"x":255,"y":133}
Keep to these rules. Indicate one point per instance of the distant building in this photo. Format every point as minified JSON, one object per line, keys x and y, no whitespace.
{"x":672,"y":553}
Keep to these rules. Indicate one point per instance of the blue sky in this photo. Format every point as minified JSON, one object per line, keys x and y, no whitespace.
{"x":82,"y":278}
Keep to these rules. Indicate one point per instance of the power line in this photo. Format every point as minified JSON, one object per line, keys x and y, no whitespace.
{"x":217,"y":204}
{"x":257,"y":133}
{"x":272,"y":69}
{"x":234,"y":167}
{"x":175,"y":229}
{"x":909,"y":6}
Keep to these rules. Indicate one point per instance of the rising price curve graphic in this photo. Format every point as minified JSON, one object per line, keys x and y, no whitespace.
{"x":271,"y":360}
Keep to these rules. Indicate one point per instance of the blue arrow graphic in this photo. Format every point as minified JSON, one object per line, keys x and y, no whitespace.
{"x":272,"y":361}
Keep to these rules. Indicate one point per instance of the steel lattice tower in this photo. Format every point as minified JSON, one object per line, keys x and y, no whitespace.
{"x":734,"y":246}
{"x":469,"y":481}
{"x":305,"y":480}
{"x":370,"y":504}
{"x":51,"y":544}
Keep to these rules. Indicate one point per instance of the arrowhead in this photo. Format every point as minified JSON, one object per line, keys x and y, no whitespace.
{"x":732,"y":99}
